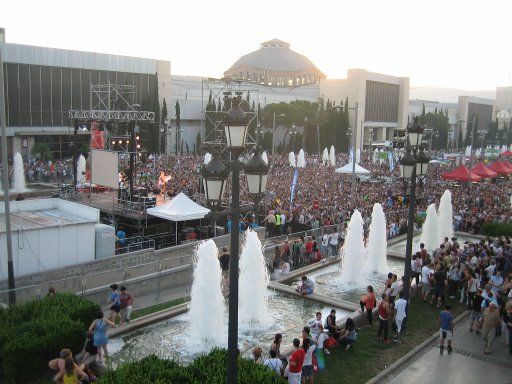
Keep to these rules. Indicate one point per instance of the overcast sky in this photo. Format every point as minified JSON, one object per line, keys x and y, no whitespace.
{"x":450,"y":43}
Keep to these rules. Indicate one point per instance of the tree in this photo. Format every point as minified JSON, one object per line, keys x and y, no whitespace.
{"x":164,"y":112}
{"x":43,"y":150}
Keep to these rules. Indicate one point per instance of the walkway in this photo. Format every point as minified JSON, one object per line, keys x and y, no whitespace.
{"x":466,"y":364}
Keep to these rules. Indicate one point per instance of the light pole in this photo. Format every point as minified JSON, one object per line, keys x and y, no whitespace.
{"x":274,"y":130}
{"x":166,"y":126}
{"x":354,"y":138}
{"x":214,"y":179}
{"x":457,"y":134}
{"x":293,"y":134}
{"x":413,"y":164}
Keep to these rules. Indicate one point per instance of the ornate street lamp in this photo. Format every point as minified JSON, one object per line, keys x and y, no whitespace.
{"x":215,"y":175}
{"x":413,"y":166}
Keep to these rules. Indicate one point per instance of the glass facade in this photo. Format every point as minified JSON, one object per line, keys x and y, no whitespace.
{"x":381,"y":102}
{"x":41,"y":96}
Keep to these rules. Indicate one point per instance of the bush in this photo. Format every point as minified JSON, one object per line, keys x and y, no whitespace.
{"x":209,"y":369}
{"x":496,"y":229}
{"x":33,"y":333}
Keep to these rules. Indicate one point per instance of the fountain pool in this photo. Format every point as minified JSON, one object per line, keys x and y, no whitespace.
{"x":169,"y":338}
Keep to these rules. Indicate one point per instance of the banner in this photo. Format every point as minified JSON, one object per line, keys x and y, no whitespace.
{"x":391,"y":160}
{"x":294,"y":184}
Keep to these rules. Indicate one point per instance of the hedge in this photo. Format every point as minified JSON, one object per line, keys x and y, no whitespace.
{"x":209,"y":369}
{"x":33,"y":333}
{"x":496,"y":229}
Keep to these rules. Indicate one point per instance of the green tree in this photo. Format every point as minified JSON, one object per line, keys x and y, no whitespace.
{"x":43,"y":150}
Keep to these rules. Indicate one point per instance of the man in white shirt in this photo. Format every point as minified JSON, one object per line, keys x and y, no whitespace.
{"x":426,"y":274}
{"x":399,"y":315}
{"x":317,"y":331}
{"x":393,"y":291}
{"x":496,"y":282}
{"x":333,"y":243}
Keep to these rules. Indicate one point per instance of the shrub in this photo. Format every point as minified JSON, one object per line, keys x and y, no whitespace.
{"x":496,"y":229}
{"x":33,"y":333}
{"x":209,"y":369}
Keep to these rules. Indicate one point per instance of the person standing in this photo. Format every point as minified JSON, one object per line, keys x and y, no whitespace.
{"x":126,"y":299}
{"x":309,"y":347}
{"x":295,"y":363}
{"x":507,"y":320}
{"x":426,"y":276}
{"x":100,"y":337}
{"x":445,"y":328}
{"x":224,"y":266}
{"x":121,"y":239}
{"x":271,"y":224}
{"x":114,"y":300}
{"x":399,"y":315}
{"x":490,"y":320}
{"x":384,"y":310}
{"x":368,"y":302}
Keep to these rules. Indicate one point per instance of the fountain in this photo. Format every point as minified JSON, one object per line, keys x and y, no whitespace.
{"x":19,"y":184}
{"x":429,"y":233}
{"x":376,"y":260}
{"x":253,"y":282}
{"x":80,"y":170}
{"x":301,"y":160}
{"x":206,"y":300}
{"x":291,"y":160}
{"x":353,"y":253}
{"x":445,"y":217}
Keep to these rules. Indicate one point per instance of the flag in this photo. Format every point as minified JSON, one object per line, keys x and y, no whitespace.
{"x":294,"y":184}
{"x":391,"y":160}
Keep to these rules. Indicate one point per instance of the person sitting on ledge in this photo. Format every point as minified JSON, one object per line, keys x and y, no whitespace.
{"x":307,"y":287}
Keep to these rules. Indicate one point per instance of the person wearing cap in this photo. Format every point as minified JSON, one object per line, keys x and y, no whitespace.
{"x":490,"y":320}
{"x":126,"y":305}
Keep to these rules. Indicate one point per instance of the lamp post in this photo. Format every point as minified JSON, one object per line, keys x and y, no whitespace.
{"x":214,"y":178}
{"x":413,"y":164}
{"x":274,"y":130}
{"x":457,"y":134}
{"x":293,"y":134}
{"x":354,"y":138}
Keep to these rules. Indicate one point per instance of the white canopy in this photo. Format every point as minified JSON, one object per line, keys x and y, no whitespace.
{"x":180,"y":208}
{"x":347,"y":168}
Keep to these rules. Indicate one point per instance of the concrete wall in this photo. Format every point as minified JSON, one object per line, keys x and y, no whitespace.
{"x":146,"y":271}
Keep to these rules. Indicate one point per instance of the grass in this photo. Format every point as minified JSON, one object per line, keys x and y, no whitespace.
{"x":369,"y":356}
{"x":156,"y":308}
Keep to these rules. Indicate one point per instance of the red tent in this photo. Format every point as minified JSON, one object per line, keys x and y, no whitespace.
{"x":481,"y":170}
{"x":461,"y":173}
{"x":506,"y":153}
{"x":500,"y":168}
{"x":507,"y":164}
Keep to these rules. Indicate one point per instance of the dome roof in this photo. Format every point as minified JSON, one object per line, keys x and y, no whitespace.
{"x":275,"y":55}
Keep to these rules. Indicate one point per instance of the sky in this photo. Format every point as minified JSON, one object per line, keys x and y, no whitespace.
{"x":448,"y":43}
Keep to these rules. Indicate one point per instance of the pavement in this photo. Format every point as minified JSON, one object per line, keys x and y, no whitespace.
{"x":466,"y":364}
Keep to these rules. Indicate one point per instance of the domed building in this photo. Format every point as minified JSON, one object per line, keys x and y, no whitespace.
{"x":275,"y":64}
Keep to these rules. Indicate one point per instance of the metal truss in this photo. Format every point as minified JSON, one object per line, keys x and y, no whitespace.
{"x":106,"y":115}
{"x":223,"y":91}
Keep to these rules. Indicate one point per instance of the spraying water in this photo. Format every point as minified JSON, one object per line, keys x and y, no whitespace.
{"x":445,"y":216}
{"x":325,"y":156}
{"x":19,"y":184}
{"x":253,"y":282}
{"x":430,"y":229}
{"x":264,"y":156}
{"x":332,"y":156}
{"x":207,"y":309}
{"x":291,"y":160}
{"x":376,"y":262}
{"x":352,"y":257}
{"x":80,"y":170}
{"x":301,"y":159}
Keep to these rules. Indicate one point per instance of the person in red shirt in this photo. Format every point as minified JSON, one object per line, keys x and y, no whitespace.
{"x":295,"y":362}
{"x":308,"y":249}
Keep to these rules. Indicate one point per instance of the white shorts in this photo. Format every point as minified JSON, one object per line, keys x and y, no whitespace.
{"x":445,"y":334}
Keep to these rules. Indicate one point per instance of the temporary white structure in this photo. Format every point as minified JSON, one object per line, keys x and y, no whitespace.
{"x":180,"y":208}
{"x":347,"y":168}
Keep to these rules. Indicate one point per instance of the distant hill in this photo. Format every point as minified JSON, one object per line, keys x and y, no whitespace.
{"x":447,"y":95}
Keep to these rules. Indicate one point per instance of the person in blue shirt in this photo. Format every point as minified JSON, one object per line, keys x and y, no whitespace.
{"x":445,"y":328}
{"x":114,"y":302}
{"x":121,"y":239}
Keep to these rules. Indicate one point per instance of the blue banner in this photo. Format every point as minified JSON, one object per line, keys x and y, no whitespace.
{"x":391,"y":160}
{"x":294,"y":184}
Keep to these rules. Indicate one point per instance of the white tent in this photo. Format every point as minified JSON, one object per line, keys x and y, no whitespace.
{"x":180,"y":208}
{"x":347,"y":168}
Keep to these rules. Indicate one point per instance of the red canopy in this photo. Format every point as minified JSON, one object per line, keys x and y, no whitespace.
{"x":461,"y":173}
{"x":500,"y":168}
{"x":506,"y":153}
{"x":507,"y":164}
{"x":481,"y":170}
